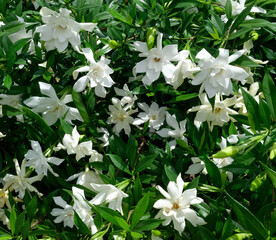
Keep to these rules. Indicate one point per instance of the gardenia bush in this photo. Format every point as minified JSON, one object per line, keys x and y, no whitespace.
{"x":142,"y":119}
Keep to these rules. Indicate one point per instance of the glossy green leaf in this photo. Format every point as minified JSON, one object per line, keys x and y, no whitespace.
{"x":119,"y":163}
{"x":139,"y":210}
{"x":271,"y":173}
{"x":131,"y":150}
{"x":144,"y":162}
{"x":269,"y":90}
{"x":81,"y":225}
{"x":78,"y":100}
{"x":147,"y":225}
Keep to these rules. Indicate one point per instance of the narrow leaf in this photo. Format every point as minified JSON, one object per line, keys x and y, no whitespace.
{"x":119,"y":163}
{"x":77,"y":98}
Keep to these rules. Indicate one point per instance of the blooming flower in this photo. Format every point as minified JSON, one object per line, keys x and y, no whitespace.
{"x":184,"y":69}
{"x":39,"y":162}
{"x":71,"y":143}
{"x":51,"y":107}
{"x":177,"y":133}
{"x":21,"y":182}
{"x":120,"y":116}
{"x":98,"y":74}
{"x":83,"y":209}
{"x":105,"y":137}
{"x":221,"y":112}
{"x":197,"y":166}
{"x":157,"y":60}
{"x":65,"y":215}
{"x":128,"y":98}
{"x":176,"y":206}
{"x":110,"y":194}
{"x":216,"y":73}
{"x":238,"y":7}
{"x":85,"y":178}
{"x":153,"y":114}
{"x":59,"y":29}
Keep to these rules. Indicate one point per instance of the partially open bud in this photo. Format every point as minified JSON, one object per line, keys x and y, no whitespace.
{"x":113,"y":44}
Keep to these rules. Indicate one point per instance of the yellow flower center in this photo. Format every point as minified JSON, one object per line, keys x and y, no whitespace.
{"x":156,"y":59}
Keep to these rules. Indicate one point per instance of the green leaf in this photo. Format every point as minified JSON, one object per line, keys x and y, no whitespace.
{"x":248,"y":220}
{"x":241,"y":17}
{"x":147,"y":225}
{"x":183,"y":97}
{"x":213,"y":171}
{"x":13,"y":218}
{"x":113,"y":217}
{"x":12,"y":27}
{"x":227,"y":230}
{"x":271,"y":173}
{"x":170,"y":173}
{"x":246,"y":62}
{"x":31,"y":208}
{"x":184,"y":145}
{"x":119,"y":163}
{"x":25,"y":229}
{"x":269,"y":90}
{"x":137,"y":189}
{"x":151,"y":32}
{"x":264,"y":112}
{"x":252,"y":108}
{"x":39,"y":120}
{"x":99,"y":235}
{"x":77,"y":98}
{"x":8,"y":82}
{"x":81,"y":225}
{"x":193,"y":183}
{"x":136,"y":235}
{"x":144,"y":162}
{"x":205,"y":233}
{"x":228,"y":9}
{"x":140,"y":210}
{"x":19,"y":223}
{"x":50,"y":60}
{"x":120,"y":17}
{"x":131,"y":150}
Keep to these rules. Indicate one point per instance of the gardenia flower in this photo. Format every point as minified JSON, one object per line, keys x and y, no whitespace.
{"x":71,"y":144}
{"x":197,"y":166}
{"x":177,"y":133}
{"x":110,"y":194}
{"x":4,"y":219}
{"x":13,"y":101}
{"x":51,"y":107}
{"x":37,"y":160}
{"x":59,"y":29}
{"x":120,"y":117}
{"x":153,"y":114}
{"x":176,"y":206}
{"x":83,"y":209}
{"x":85,"y":178}
{"x":105,"y":137}
{"x":98,"y":75}
{"x":157,"y":60}
{"x":221,"y":112}
{"x":21,"y":182}
{"x":65,"y":215}
{"x":184,"y":69}
{"x":238,"y":7}
{"x":216,"y":73}
{"x":128,"y":98}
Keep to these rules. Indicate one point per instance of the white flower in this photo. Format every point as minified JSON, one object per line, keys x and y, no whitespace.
{"x":238,"y":7}
{"x":157,"y":60}
{"x":216,"y":73}
{"x":128,"y":98}
{"x":13,"y":101}
{"x":221,"y":112}
{"x":108,"y":193}
{"x":21,"y":182}
{"x":120,"y":117}
{"x":153,"y":114}
{"x":37,"y":160}
{"x":71,"y":143}
{"x":177,"y":133}
{"x":2,"y":135}
{"x":197,"y":166}
{"x":65,"y":215}
{"x":98,"y":75}
{"x":184,"y":69}
{"x":4,"y":219}
{"x":59,"y":29}
{"x":85,"y":178}
{"x":51,"y":107}
{"x":176,"y":206}
{"x":95,"y":156}
{"x":4,"y":198}
{"x":83,"y":209}
{"x":105,"y":137}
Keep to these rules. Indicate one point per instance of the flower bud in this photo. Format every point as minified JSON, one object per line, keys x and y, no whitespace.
{"x":113,"y":44}
{"x":254,"y":35}
{"x":151,"y":37}
{"x":273,"y":151}
{"x":227,"y":152}
{"x":156,"y":233}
